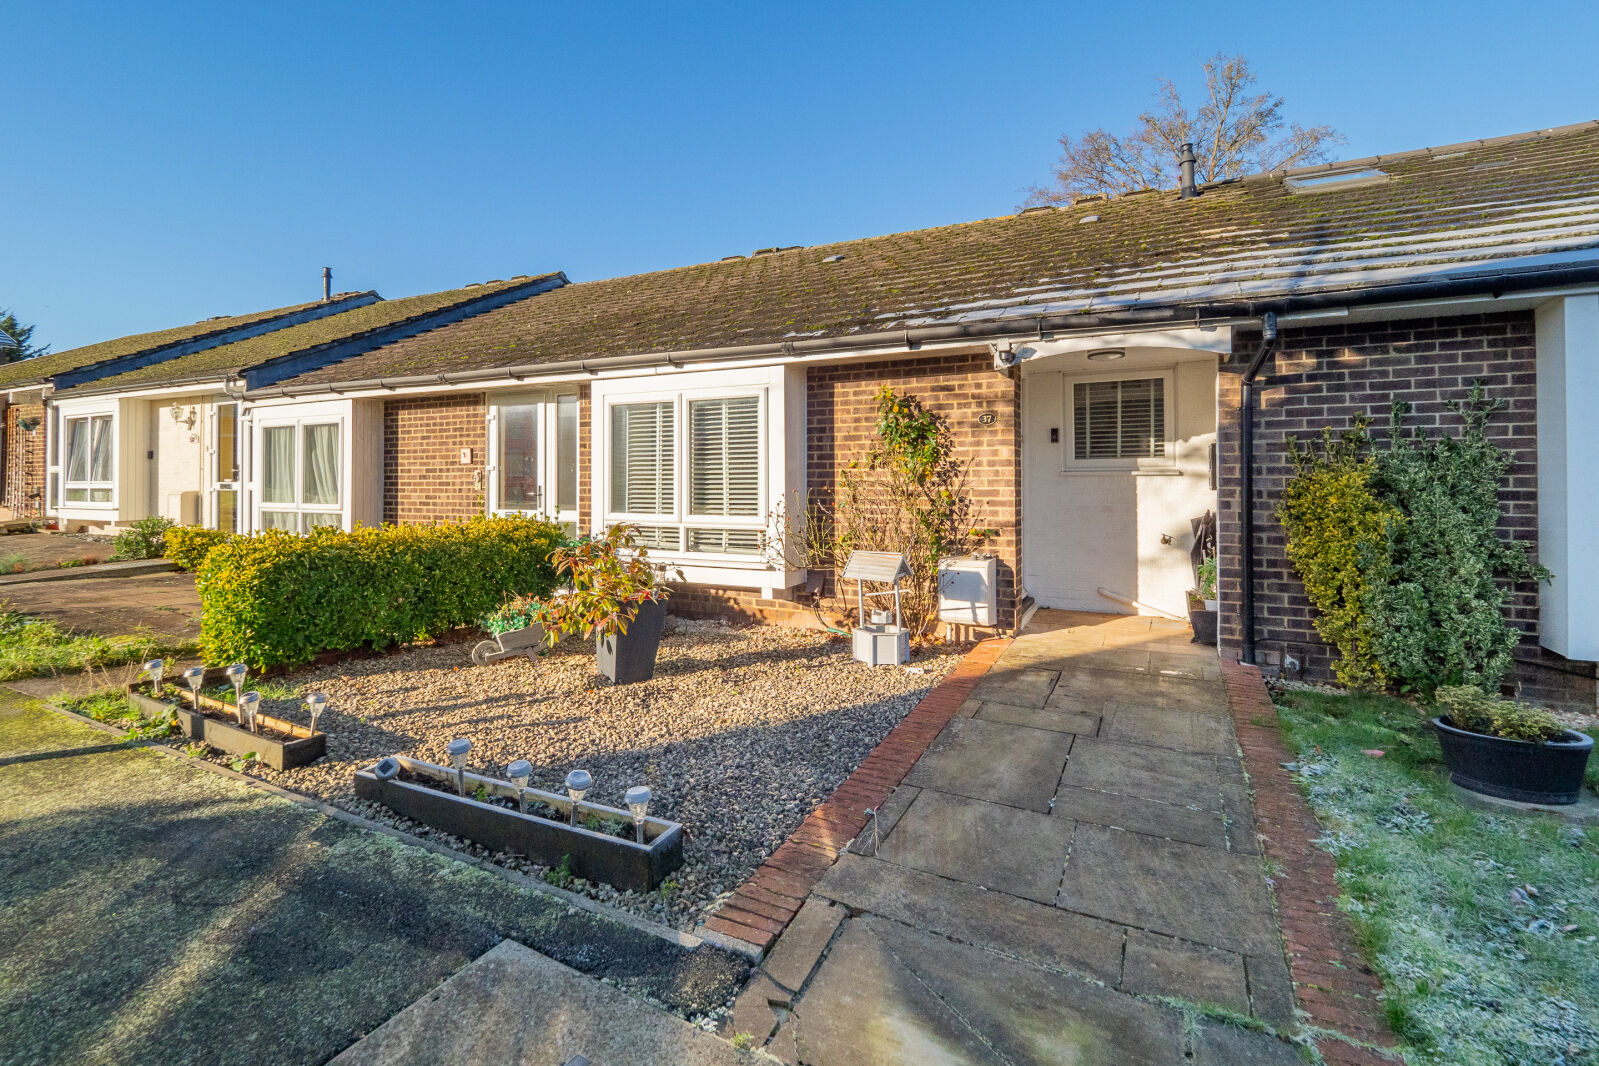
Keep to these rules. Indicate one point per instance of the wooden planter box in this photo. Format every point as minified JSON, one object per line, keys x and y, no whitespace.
{"x":299,"y":747}
{"x":619,"y":861}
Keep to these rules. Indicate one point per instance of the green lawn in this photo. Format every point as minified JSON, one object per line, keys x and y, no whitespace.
{"x":1483,"y":928}
{"x":30,"y":647}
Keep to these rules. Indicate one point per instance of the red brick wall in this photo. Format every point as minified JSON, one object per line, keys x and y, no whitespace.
{"x":424,"y":479}
{"x":25,"y":461}
{"x":1323,"y":377}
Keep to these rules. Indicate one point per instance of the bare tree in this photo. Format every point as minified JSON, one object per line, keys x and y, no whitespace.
{"x":1236,"y":131}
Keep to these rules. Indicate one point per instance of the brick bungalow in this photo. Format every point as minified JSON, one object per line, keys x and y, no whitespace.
{"x":1093,"y":361}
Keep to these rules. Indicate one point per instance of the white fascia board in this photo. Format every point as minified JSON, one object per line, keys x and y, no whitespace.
{"x":193,"y":388}
{"x":1443,"y":308}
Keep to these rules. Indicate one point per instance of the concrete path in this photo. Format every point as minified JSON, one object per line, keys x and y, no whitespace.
{"x":160,"y":604}
{"x":152,"y":912}
{"x":1074,"y":852}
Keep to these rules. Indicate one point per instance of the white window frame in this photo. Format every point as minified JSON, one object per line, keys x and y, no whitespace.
{"x":64,"y":465}
{"x":258,"y":504}
{"x":681,"y":517}
{"x":1163,"y":464}
{"x":548,"y":469}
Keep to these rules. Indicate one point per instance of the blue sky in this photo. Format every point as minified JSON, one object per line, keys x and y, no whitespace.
{"x":162,"y":163}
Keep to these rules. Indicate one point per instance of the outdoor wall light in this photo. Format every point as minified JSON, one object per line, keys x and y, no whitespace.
{"x":249,"y":703}
{"x":456,"y":750}
{"x":154,"y":669}
{"x":194,"y":676}
{"x":316,"y":703}
{"x":578,"y":783}
{"x":638,"y":801}
{"x":519,"y":772}
{"x":1106,"y":355}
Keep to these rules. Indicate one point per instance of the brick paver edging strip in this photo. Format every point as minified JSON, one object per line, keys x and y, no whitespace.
{"x":1332,"y":983}
{"x":761,"y":908}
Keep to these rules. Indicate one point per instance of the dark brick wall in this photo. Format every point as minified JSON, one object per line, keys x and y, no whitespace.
{"x":1323,"y":377}
{"x":424,"y":479}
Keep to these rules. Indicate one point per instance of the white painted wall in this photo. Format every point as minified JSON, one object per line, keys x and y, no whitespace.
{"x":180,"y":456}
{"x":1568,"y":505}
{"x":1083,"y":530}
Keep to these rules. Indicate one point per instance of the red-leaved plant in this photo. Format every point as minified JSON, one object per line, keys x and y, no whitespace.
{"x":610,"y":577}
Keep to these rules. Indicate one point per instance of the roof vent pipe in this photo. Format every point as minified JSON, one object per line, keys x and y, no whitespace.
{"x":1187,"y":188}
{"x":327,"y":284}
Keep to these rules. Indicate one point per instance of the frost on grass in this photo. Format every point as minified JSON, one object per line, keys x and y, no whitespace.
{"x":1482,"y":928}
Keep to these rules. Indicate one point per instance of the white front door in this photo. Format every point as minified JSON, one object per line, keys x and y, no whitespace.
{"x":1116,"y":461}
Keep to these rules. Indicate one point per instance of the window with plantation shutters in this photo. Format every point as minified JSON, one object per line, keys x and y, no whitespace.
{"x":643,"y":458}
{"x":1119,"y":419}
{"x":725,"y":457}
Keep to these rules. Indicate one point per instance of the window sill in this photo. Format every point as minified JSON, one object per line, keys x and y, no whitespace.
{"x":1155,"y":471}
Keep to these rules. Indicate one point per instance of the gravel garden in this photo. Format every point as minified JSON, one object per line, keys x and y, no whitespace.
{"x":742,"y":732}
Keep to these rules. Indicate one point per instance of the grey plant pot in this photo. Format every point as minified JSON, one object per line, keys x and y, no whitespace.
{"x":630,"y":657}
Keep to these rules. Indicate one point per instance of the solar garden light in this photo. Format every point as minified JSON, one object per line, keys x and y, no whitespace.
{"x":248,"y":703}
{"x":155,"y":668}
{"x":236,"y":674}
{"x":316,"y":703}
{"x":578,"y":783}
{"x":638,"y":801}
{"x":457,"y":749}
{"x":519,"y":772}
{"x":193,"y":677}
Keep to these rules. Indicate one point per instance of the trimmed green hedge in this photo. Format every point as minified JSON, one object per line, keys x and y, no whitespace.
{"x":279,"y":599}
{"x":189,"y":545}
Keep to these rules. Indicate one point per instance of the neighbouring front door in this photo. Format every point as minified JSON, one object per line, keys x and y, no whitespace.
{"x":224,"y":508}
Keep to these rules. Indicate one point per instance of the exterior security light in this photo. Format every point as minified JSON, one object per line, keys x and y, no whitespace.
{"x":194,"y":676}
{"x":578,"y":783}
{"x":638,"y":801}
{"x":456,"y":750}
{"x":154,"y":669}
{"x":1106,"y":355}
{"x":519,"y":772}
{"x":249,"y":702}
{"x":316,"y":703}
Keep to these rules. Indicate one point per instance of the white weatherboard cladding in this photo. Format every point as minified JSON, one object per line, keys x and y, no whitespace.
{"x":1094,"y":525}
{"x":1568,"y":505}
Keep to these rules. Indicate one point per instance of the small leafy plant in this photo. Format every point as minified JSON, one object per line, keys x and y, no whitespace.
{"x":1207,"y":578}
{"x":562,"y":874}
{"x":189,"y":545}
{"x":238,"y":765}
{"x":518,"y":612}
{"x":1470,"y":708}
{"x":610,"y":576}
{"x":145,"y":539}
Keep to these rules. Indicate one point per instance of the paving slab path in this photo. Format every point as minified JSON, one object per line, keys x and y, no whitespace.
{"x":153,"y":912}
{"x":1070,"y":874}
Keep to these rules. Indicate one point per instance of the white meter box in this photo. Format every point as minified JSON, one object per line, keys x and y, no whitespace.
{"x":968,"y":591}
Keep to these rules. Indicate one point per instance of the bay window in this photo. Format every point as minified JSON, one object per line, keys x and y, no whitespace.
{"x":690,"y":473}
{"x":89,"y":447}
{"x":533,"y":456}
{"x":300,"y":476}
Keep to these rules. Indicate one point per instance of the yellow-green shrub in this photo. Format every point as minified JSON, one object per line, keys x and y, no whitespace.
{"x":277,"y":598}
{"x":1338,"y":537}
{"x":1476,"y":711}
{"x":189,"y":545}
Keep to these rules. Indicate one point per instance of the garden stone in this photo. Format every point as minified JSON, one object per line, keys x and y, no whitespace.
{"x":1022,"y":688}
{"x":1164,"y":966}
{"x":1271,"y":990}
{"x":1205,"y":828}
{"x":1200,"y":894}
{"x":1034,"y":932}
{"x":1001,"y":848}
{"x":1219,"y":1044}
{"x":1182,"y":778}
{"x":797,"y":951}
{"x":1059,"y":720}
{"x":986,"y":760}
{"x":1162,"y":727}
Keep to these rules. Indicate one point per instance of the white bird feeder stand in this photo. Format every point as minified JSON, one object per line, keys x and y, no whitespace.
{"x":878,"y":642}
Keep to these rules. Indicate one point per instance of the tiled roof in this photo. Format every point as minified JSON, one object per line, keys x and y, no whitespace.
{"x":41,"y":369}
{"x":228,"y":360}
{"x":1527,"y":200}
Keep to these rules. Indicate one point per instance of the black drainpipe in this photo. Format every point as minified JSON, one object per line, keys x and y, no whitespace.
{"x":1246,"y":450}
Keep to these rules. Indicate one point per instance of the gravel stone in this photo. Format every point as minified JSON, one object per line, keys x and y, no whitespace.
{"x":743,"y":731}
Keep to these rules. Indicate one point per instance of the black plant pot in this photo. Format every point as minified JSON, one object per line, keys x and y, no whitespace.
{"x":630,"y":657}
{"x":1550,"y":772}
{"x":1203,"y":623}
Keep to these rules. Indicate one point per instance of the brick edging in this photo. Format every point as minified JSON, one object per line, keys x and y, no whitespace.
{"x":761,"y":908}
{"x":1332,"y":983}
